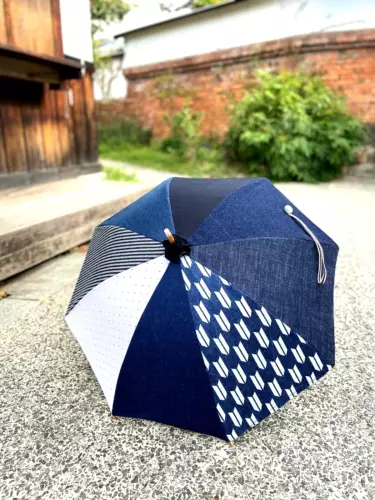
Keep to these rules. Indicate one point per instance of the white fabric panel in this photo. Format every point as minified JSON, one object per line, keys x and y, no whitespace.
{"x":105,"y":319}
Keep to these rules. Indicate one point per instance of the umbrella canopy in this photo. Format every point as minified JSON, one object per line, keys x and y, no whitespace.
{"x":221,"y":324}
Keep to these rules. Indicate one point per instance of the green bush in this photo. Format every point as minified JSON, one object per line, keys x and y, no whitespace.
{"x":124,"y":131}
{"x":185,"y":135}
{"x":290,"y":126}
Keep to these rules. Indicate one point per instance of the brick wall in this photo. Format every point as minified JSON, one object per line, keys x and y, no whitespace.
{"x":108,"y":111}
{"x":345,"y":59}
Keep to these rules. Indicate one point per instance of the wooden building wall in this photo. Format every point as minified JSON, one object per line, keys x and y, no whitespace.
{"x":32,"y":26}
{"x":44,"y":131}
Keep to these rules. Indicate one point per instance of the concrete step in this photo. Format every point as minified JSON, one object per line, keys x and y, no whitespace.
{"x":41,"y":221}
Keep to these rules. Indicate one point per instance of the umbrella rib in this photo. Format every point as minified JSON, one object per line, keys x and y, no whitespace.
{"x":198,"y":346}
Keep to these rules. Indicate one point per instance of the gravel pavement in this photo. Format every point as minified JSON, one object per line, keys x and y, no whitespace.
{"x":57,"y":440}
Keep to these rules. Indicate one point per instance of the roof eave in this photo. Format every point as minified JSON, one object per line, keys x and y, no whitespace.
{"x":195,"y":12}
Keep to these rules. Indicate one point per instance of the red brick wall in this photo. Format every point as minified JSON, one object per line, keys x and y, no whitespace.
{"x":108,"y":111}
{"x":345,"y":59}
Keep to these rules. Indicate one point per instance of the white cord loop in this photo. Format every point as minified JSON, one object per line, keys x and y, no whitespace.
{"x":322,"y":270}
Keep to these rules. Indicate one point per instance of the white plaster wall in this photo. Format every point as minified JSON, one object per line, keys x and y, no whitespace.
{"x":251,"y":21}
{"x":76,"y":29}
{"x":110,"y":83}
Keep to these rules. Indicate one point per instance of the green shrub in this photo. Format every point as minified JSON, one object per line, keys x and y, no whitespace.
{"x":185,"y":135}
{"x":124,"y":131}
{"x":290,"y":126}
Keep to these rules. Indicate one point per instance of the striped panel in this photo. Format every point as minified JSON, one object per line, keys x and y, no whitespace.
{"x":112,"y":250}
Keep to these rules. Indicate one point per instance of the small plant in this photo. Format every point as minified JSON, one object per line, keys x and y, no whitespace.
{"x":124,"y":131}
{"x":185,"y":135}
{"x":197,"y":4}
{"x":291,"y":126}
{"x":118,"y":174}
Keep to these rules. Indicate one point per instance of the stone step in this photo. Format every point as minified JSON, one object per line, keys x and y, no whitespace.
{"x":41,"y":221}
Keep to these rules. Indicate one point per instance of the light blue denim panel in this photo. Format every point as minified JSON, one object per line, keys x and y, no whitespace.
{"x":254,"y":361}
{"x":281,"y":274}
{"x":149,"y":215}
{"x":253,"y":211}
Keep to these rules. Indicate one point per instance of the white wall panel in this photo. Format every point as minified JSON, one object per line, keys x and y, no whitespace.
{"x":244,"y":23}
{"x":76,"y":29}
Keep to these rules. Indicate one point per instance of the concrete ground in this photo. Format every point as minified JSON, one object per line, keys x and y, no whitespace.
{"x":57,"y":440}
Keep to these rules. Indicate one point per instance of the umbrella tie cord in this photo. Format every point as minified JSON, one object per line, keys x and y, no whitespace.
{"x":175,"y":247}
{"x":322,"y":270}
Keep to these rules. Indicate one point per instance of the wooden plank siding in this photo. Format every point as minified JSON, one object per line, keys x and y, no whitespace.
{"x":79,"y":120}
{"x":3,"y":29}
{"x":41,"y":131}
{"x":56,"y":28}
{"x":33,"y":26}
{"x":33,"y":131}
{"x":6,"y":21}
{"x":47,"y":115}
{"x":15,"y":147}
{"x":63,"y":124}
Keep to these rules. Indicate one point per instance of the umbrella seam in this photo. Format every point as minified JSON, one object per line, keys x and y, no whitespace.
{"x":262,"y":238}
{"x":205,"y":369}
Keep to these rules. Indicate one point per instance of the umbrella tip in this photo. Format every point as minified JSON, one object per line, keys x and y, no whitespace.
{"x":169,"y":235}
{"x":231,"y":443}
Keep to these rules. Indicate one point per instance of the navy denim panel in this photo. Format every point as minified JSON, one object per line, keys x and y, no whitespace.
{"x":163,"y":377}
{"x":193,"y":199}
{"x":149,"y":215}
{"x":281,"y":274}
{"x":254,"y":210}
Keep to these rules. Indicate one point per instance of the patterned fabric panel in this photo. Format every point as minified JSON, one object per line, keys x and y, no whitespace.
{"x":112,"y":250}
{"x":254,"y":361}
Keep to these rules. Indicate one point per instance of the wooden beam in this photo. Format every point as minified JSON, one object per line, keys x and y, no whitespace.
{"x":68,"y":110}
{"x":90,"y":117}
{"x":24,"y":64}
{"x":26,"y":70}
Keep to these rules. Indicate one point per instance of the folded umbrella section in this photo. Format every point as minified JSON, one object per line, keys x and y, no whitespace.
{"x":216,"y":326}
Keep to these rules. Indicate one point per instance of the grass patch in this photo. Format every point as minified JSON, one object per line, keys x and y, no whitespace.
{"x":118,"y":174}
{"x":152,"y":157}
